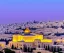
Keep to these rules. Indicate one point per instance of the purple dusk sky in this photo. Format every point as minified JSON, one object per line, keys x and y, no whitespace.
{"x":12,"y":11}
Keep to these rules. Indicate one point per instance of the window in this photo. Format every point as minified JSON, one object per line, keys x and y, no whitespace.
{"x":38,"y":46}
{"x":38,"y":42}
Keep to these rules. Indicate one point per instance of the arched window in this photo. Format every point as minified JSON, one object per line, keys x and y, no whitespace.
{"x":38,"y":46}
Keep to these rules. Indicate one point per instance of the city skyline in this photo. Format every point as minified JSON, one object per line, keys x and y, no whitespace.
{"x":16,"y":11}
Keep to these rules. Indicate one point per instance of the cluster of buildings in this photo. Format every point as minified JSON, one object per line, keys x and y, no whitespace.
{"x":37,"y":42}
{"x":39,"y":36}
{"x":27,"y":40}
{"x":55,"y":27}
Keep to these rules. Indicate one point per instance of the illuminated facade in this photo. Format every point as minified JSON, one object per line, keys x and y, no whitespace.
{"x":32,"y":38}
{"x":2,"y":44}
{"x":60,"y":40}
{"x":36,"y":40}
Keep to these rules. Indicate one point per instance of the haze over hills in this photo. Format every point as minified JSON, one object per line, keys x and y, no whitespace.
{"x":47,"y":28}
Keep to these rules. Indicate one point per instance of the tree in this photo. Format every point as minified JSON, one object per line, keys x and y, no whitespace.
{"x":1,"y":52}
{"x":54,"y":49}
{"x":44,"y":46}
{"x":58,"y":49}
{"x":34,"y":48}
{"x":8,"y":50}
{"x":55,"y":43}
{"x":25,"y":48}
{"x":12,"y":47}
{"x":51,"y":49}
{"x":29,"y":49}
{"x":48,"y":47}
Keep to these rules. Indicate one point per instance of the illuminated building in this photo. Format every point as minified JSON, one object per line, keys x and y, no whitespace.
{"x":36,"y":40}
{"x":32,"y":38}
{"x":2,"y":44}
{"x":27,"y":30}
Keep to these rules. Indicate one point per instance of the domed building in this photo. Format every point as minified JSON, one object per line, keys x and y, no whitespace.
{"x":28,"y":37}
{"x":35,"y":40}
{"x":27,"y":31}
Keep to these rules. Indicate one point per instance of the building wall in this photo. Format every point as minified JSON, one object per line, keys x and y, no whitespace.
{"x":3,"y":44}
{"x":36,"y":44}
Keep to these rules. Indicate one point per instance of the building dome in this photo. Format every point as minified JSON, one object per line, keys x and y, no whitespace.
{"x":27,"y":30}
